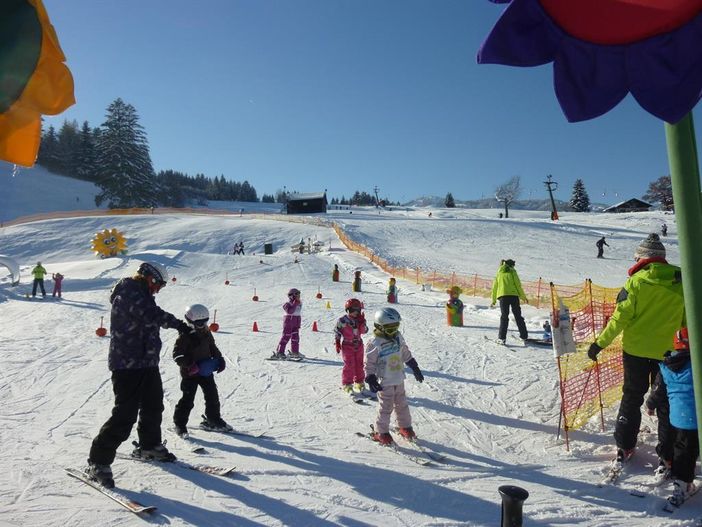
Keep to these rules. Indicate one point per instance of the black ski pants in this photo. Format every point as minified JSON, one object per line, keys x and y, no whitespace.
{"x":188,"y":386}
{"x":685,"y":453}
{"x":639,"y":374}
{"x":507,"y":302}
{"x":38,"y":282}
{"x":600,"y":252}
{"x":138,"y":393}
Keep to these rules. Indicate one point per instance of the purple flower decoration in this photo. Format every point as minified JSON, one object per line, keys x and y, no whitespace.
{"x":603,"y":49}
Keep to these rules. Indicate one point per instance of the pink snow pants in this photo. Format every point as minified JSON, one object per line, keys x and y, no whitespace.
{"x":291,"y":332}
{"x":389,"y":398}
{"x":353,"y":363}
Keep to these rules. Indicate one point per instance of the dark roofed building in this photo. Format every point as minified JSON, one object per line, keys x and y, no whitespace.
{"x":631,"y":205}
{"x":307,"y":203}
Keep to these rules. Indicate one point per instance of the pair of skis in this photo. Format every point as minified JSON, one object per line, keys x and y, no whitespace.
{"x":427,"y":457}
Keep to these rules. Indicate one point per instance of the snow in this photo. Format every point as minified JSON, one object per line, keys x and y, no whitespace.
{"x":492,"y":410}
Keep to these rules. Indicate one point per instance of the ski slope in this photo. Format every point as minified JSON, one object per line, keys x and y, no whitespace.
{"x":492,"y":410}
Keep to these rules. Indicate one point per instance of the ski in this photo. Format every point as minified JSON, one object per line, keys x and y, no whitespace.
{"x":205,"y":469}
{"x":393,"y":447}
{"x":287,"y":358}
{"x":126,"y":502}
{"x":253,"y":435}
{"x":416,"y":443}
{"x":188,"y":442}
{"x":670,"y":505}
{"x":616,"y":468}
{"x":498,"y":341}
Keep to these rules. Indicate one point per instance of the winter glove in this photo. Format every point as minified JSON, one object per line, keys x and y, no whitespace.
{"x":338,"y":346}
{"x":415,"y":369}
{"x":222,"y":364}
{"x":373,"y":384}
{"x":193,"y":370}
{"x":593,"y":350}
{"x":183,"y":328}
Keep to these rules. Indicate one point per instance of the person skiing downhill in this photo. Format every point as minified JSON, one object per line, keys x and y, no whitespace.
{"x":291,"y":327}
{"x":386,"y":352}
{"x":135,"y":346}
{"x":198,"y":357}
{"x":348,"y":340}
{"x":600,"y":247}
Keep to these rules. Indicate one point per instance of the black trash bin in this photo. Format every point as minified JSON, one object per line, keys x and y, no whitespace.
{"x":267,"y":248}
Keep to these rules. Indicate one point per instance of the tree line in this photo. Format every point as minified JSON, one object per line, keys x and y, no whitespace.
{"x":115,"y":156}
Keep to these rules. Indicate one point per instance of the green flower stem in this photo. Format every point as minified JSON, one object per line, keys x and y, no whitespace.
{"x":685,"y":176}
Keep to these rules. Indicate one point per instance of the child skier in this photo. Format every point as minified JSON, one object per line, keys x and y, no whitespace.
{"x":349,"y":343}
{"x":335,"y":273}
{"x":198,"y":357}
{"x":58,"y":279}
{"x":356,"y":285}
{"x":454,"y":307}
{"x":385,"y":354}
{"x":676,"y":374}
{"x":291,"y":327}
{"x":392,"y":292}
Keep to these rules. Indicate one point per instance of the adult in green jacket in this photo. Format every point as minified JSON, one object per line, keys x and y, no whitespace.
{"x":507,"y":288}
{"x":650,"y":309}
{"x":38,"y":273}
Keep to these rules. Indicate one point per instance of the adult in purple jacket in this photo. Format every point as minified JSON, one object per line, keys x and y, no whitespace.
{"x":135,"y":347}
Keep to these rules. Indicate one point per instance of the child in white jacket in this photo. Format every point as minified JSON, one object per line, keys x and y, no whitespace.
{"x":386,"y":355}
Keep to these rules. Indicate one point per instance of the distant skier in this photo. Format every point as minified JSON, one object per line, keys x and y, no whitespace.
{"x":38,"y":273}
{"x":349,"y":342}
{"x":291,"y":327}
{"x":548,"y":332}
{"x":664,"y":230}
{"x":507,"y":288}
{"x":386,"y":353}
{"x":198,"y":357}
{"x":454,"y":307}
{"x":600,"y":247}
{"x":58,"y":280}
{"x":335,"y":273}
{"x":135,"y":349}
{"x":392,"y":291}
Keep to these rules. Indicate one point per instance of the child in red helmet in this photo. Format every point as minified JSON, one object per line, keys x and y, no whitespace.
{"x":291,"y":327}
{"x":349,"y":329}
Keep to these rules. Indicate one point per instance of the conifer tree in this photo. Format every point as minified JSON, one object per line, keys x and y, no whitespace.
{"x":48,"y":150}
{"x":86,"y":155}
{"x":579,"y":200}
{"x":125,"y":173}
{"x":449,"y":201}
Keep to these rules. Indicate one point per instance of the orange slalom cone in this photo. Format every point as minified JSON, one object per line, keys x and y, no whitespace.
{"x":101,"y":331}
{"x":255,"y":327}
{"x":314,"y":326}
{"x":214,"y":327}
{"x":319,"y":293}
{"x":255,"y":297}
{"x":173,"y":279}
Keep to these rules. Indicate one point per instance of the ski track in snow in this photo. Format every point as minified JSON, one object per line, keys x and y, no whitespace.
{"x":492,"y":410}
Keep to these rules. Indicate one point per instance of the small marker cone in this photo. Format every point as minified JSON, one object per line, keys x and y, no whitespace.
{"x":255,"y":327}
{"x":314,"y":326}
{"x":214,"y":327}
{"x":255,"y":297}
{"x":173,"y":279}
{"x":101,"y":331}
{"x":328,"y":305}
{"x":319,"y":293}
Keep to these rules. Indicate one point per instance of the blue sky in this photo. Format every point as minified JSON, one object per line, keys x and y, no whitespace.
{"x":344,"y":95}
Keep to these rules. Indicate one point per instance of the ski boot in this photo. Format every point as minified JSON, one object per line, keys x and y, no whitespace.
{"x":155,"y":453}
{"x":384,"y":439}
{"x":348,"y":388}
{"x":408,"y":433}
{"x":181,"y":431}
{"x":215,"y":425}
{"x":681,"y":491}
{"x":359,"y":387}
{"x":101,"y":474}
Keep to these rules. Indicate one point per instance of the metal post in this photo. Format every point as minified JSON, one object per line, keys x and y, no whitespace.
{"x":512,"y":500}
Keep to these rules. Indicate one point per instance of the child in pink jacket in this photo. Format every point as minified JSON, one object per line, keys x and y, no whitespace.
{"x":349,"y":343}
{"x":386,"y":355}
{"x":291,"y":327}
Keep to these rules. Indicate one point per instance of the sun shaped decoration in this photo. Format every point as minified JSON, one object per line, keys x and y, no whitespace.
{"x":109,"y":243}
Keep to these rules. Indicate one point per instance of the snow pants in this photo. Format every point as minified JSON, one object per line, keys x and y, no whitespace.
{"x":291,"y":332}
{"x":353,"y":362}
{"x":685,"y":452}
{"x":600,"y":252}
{"x":137,"y":393}
{"x":639,"y":374}
{"x":188,"y":385}
{"x":40,"y":283}
{"x":507,"y":302}
{"x":392,"y":398}
{"x":57,"y":288}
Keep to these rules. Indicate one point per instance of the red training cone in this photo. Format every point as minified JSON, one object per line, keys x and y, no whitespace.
{"x":214,"y":327}
{"x":101,"y":332}
{"x":314,"y":326}
{"x":173,"y":279}
{"x":255,"y":327}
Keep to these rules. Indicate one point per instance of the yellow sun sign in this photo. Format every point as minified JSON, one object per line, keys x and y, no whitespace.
{"x":109,"y":243}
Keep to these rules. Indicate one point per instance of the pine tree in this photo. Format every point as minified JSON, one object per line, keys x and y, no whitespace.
{"x":124,"y":170}
{"x":48,"y":150}
{"x":449,"y":201}
{"x":67,"y":148}
{"x":86,"y":155}
{"x":579,"y":200}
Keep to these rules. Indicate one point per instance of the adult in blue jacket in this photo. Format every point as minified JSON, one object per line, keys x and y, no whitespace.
{"x":135,"y":346}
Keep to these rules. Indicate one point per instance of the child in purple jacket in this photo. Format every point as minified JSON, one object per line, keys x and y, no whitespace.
{"x":291,"y":327}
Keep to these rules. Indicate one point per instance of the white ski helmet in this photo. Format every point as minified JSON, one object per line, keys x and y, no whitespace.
{"x":154,"y":271}
{"x":387,"y":320}
{"x":197,"y":315}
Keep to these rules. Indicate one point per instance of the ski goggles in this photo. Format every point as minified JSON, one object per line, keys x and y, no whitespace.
{"x":391,"y":329}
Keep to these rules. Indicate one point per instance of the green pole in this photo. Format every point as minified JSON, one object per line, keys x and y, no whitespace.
{"x":685,"y":176}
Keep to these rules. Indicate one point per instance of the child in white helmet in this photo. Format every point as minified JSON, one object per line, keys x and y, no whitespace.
{"x":386,"y":355}
{"x":198,"y":357}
